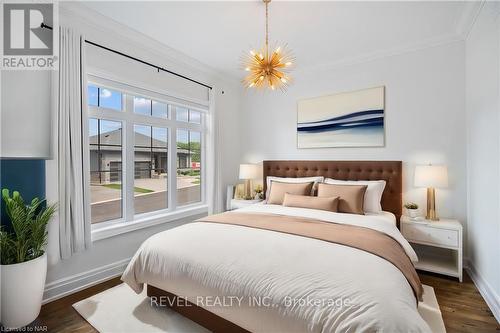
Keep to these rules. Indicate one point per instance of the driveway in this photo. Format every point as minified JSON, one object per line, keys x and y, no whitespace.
{"x":107,"y":204}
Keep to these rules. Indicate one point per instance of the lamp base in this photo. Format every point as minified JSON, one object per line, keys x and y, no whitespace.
{"x":431,"y":205}
{"x":248,"y":189}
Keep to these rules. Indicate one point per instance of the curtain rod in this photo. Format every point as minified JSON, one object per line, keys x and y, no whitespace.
{"x":45,"y":26}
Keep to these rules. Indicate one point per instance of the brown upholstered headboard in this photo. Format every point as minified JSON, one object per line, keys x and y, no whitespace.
{"x":390,"y":171}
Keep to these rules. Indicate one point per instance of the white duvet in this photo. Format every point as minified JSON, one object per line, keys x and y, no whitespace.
{"x":267,"y":281}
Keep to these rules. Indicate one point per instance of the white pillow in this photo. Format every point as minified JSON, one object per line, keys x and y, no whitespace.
{"x":373,"y":194}
{"x":316,"y":180}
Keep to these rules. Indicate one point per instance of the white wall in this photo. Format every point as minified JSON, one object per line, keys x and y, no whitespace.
{"x":425,"y":118}
{"x":109,"y":256}
{"x":25,"y":95}
{"x":483,"y":150}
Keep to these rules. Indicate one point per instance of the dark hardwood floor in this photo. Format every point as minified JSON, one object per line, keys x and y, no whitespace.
{"x":463,"y":308}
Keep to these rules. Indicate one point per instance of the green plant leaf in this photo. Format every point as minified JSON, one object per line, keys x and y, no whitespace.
{"x":29,"y":224}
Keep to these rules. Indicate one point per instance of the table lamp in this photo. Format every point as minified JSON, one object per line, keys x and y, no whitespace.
{"x":247,"y":173}
{"x":431,"y":177}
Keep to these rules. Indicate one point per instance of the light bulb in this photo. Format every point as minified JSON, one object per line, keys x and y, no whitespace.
{"x":283,"y":80}
{"x":288,"y":63}
{"x":247,"y":69}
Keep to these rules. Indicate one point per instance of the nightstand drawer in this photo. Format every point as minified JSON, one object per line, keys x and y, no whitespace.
{"x":423,"y":233}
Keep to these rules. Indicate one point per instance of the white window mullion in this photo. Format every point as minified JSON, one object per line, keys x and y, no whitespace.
{"x":172,"y":165}
{"x":129,"y":160}
{"x":203,"y":158}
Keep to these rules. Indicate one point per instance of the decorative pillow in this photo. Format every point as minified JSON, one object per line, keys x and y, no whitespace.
{"x":305,"y":201}
{"x":278,"y":190}
{"x":316,"y":180}
{"x":351,"y":197}
{"x":373,"y":195}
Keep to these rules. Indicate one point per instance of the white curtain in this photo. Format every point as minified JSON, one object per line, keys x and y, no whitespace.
{"x":74,"y":203}
{"x":214,"y":158}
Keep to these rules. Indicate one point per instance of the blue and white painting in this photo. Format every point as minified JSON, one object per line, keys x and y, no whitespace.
{"x":352,"y":119}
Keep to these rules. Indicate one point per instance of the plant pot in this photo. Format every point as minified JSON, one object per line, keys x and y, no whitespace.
{"x":22,"y":291}
{"x":413,"y":213}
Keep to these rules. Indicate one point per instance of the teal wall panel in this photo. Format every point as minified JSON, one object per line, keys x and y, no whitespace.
{"x":25,"y":176}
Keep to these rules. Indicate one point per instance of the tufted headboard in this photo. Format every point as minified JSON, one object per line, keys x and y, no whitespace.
{"x":390,"y":171}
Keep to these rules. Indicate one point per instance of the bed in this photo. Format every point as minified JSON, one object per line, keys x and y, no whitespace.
{"x":230,"y":275}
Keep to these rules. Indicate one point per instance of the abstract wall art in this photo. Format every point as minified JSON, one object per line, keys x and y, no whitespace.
{"x":350,"y":119}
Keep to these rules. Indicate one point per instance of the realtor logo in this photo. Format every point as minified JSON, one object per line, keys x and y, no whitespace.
{"x":23,"y":34}
{"x":26,"y":45}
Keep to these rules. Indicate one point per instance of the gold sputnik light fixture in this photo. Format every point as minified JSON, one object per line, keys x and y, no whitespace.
{"x":268,"y":69}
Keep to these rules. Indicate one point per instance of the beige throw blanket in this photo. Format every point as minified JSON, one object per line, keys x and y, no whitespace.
{"x":365,"y":239}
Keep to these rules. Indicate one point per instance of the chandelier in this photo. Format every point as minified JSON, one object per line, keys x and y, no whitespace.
{"x":268,"y":69}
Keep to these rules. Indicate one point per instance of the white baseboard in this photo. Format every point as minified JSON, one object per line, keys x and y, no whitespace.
{"x":489,"y":295}
{"x":71,"y":284}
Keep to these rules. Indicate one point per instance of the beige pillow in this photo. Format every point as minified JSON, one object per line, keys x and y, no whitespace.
{"x":305,"y":201}
{"x":278,"y":190}
{"x":315,"y":179}
{"x":351,"y":197}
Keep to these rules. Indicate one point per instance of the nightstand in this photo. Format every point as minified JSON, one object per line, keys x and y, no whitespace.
{"x":236,"y":203}
{"x":438,"y":245}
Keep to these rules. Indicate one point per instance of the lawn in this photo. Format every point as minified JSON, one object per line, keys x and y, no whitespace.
{"x":136,"y":189}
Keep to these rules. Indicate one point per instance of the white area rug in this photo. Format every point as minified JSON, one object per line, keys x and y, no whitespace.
{"x":119,"y":309}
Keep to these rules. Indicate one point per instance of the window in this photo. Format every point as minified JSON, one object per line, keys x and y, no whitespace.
{"x":148,"y":107}
{"x":188,"y":116}
{"x":104,"y":98}
{"x":188,"y":166}
{"x":136,"y":142}
{"x":106,"y":196}
{"x":150,"y":168}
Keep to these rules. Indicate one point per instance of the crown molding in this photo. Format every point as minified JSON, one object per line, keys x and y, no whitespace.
{"x":414,"y":47}
{"x":120,"y":34}
{"x":468,"y":17}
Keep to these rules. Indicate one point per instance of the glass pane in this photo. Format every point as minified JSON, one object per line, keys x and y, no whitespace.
{"x":142,"y":106}
{"x":188,"y":167}
{"x":159,"y":137}
{"x":160,"y":110}
{"x":142,"y":136}
{"x":182,"y":114}
{"x":92,"y":92}
{"x":110,"y":132}
{"x":150,"y":160}
{"x":93,"y":131}
{"x":105,"y":171}
{"x":194,"y":117}
{"x":110,"y":99}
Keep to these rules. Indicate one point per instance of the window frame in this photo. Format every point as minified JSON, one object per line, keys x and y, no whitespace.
{"x":128,"y":118}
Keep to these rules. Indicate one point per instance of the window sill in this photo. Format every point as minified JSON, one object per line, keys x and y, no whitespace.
{"x":119,"y":228}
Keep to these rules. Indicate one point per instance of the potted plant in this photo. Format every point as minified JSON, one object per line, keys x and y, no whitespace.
{"x":412,"y":209}
{"x":23,"y":259}
{"x":258,"y":192}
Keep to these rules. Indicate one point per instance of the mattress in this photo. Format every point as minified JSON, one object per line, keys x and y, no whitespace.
{"x":327,"y":287}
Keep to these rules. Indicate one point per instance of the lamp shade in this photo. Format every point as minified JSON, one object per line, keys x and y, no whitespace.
{"x":249,"y":171}
{"x":431,"y":176}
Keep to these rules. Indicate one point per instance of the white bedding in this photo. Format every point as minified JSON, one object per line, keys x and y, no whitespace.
{"x":234,"y":262}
